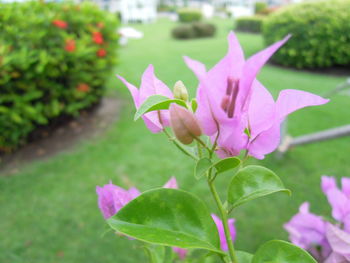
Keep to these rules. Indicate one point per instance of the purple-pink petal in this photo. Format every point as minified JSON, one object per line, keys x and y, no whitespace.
{"x":250,"y":70}
{"x":150,"y":85}
{"x":290,"y":100}
{"x":181,"y":252}
{"x":112,"y":198}
{"x":133,"y":90}
{"x":220,"y":227}
{"x":306,"y":229}
{"x":339,"y":240}
{"x":338,"y":199}
{"x":172,"y":183}
{"x":265,"y":142}
{"x":336,"y":258}
{"x":345,"y":184}
{"x":262,"y":110}
{"x":328,"y":183}
{"x":197,"y":67}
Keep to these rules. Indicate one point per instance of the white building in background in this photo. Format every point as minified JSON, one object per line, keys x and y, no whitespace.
{"x":131,"y":10}
{"x":237,"y":8}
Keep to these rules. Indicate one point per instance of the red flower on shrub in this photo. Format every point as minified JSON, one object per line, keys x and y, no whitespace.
{"x":100,"y":25}
{"x":83,"y":87}
{"x":60,"y":24}
{"x":70,"y":45}
{"x":97,"y":37}
{"x":101,"y":52}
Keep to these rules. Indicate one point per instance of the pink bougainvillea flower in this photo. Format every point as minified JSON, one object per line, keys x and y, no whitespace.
{"x":339,"y":241}
{"x":233,"y":104}
{"x":308,"y":231}
{"x":112,"y":198}
{"x":220,"y":227}
{"x":150,"y":85}
{"x":223,"y":243}
{"x":338,"y":199}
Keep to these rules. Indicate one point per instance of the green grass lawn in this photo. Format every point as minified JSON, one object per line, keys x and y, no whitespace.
{"x":48,"y":209}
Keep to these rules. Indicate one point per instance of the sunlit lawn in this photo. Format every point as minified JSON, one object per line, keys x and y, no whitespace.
{"x":48,"y":209}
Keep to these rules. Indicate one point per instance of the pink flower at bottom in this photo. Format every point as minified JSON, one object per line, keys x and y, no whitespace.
{"x":223,"y":243}
{"x":111,"y":198}
{"x":308,"y":231}
{"x":181,"y":252}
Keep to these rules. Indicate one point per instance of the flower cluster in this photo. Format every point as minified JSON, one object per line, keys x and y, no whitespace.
{"x":237,"y":114}
{"x":327,"y":242}
{"x":234,"y":109}
{"x":112,"y":198}
{"x":70,"y":44}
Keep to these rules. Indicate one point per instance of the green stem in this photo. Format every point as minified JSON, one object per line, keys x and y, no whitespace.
{"x":199,"y":150}
{"x":203,"y":144}
{"x":179,"y":146}
{"x":149,"y":254}
{"x":223,"y":215}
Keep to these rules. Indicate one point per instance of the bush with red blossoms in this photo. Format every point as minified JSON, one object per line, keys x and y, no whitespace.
{"x":327,"y":240}
{"x":47,"y":50}
{"x":232,"y":118}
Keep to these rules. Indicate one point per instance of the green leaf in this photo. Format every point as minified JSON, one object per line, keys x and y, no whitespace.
{"x":168,"y":217}
{"x":156,"y":102}
{"x":277,"y":251}
{"x":244,"y":257}
{"x":202,"y":166}
{"x":253,"y":182}
{"x":227,"y":164}
{"x":194,"y":105}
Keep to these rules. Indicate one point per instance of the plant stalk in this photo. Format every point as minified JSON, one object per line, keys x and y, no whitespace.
{"x":223,"y":215}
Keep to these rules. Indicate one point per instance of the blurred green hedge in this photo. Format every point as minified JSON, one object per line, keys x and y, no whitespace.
{"x":320,"y":34}
{"x":251,"y":24}
{"x":189,"y":15}
{"x":54,"y":60}
{"x":193,"y":30}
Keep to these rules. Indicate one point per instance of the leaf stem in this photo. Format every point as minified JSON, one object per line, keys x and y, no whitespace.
{"x":203,"y":144}
{"x":179,"y":146}
{"x":223,"y":215}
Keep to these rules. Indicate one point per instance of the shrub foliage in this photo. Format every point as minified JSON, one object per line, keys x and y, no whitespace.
{"x":54,"y":59}
{"x":320,"y":34}
{"x":250,"y":24}
{"x":189,"y":15}
{"x":194,"y":30}
{"x":259,"y":7}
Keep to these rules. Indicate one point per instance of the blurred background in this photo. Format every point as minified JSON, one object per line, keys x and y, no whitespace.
{"x":66,"y":122}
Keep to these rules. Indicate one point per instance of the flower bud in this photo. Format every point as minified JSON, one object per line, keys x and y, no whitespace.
{"x":184,"y":124}
{"x":180,"y":91}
